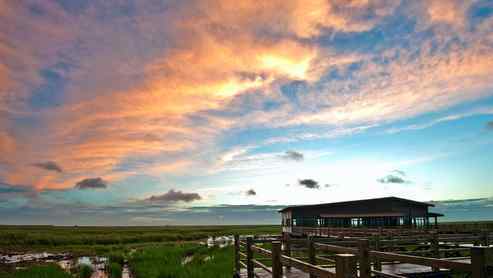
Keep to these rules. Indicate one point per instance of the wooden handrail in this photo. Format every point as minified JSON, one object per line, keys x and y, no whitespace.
{"x":347,"y":256}
{"x":262,"y":251}
{"x":336,"y":248}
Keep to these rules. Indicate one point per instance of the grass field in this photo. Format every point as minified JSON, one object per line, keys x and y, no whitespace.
{"x":159,"y":253}
{"x":39,"y":271}
{"x":102,"y":240}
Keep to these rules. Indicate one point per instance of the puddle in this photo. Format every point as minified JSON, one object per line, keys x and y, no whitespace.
{"x":64,"y":260}
{"x":33,"y":257}
{"x":220,"y":241}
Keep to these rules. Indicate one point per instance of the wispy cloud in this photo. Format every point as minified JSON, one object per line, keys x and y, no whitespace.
{"x":49,"y":165}
{"x":79,"y":97}
{"x":454,"y":117}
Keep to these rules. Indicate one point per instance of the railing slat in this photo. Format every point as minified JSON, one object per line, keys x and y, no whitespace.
{"x":261,"y":265}
{"x":306,"y":267}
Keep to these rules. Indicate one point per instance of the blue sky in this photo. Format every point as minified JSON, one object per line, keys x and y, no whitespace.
{"x":181,"y":112}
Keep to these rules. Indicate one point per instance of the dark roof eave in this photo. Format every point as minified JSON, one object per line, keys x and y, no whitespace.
{"x":355,"y":201}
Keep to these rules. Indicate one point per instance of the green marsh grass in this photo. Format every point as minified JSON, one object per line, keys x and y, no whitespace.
{"x":104,"y":240}
{"x":168,"y":261}
{"x":40,"y":271}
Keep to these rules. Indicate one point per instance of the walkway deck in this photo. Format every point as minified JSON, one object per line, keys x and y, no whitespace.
{"x":399,"y":269}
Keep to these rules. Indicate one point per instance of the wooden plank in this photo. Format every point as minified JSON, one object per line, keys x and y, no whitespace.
{"x":306,"y":267}
{"x":441,"y":263}
{"x":386,"y":275}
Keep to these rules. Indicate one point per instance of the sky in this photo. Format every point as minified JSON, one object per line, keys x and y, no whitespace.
{"x":150,"y":112}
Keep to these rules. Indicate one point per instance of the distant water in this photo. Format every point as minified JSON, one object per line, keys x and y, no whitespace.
{"x":465,"y":210}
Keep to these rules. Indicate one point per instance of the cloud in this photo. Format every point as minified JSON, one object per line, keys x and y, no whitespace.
{"x":392,"y":179}
{"x":452,"y":12}
{"x":175,"y":196}
{"x":91,"y":183}
{"x":49,"y":165}
{"x":251,"y":192}
{"x":293,"y":155}
{"x":309,"y":183}
{"x":175,"y":100}
{"x":448,"y":118}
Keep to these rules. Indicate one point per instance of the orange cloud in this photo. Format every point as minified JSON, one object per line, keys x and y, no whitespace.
{"x":136,"y":84}
{"x":450,"y":12}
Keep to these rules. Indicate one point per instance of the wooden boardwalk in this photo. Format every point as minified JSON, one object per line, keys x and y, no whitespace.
{"x":397,"y":269}
{"x":389,"y":256}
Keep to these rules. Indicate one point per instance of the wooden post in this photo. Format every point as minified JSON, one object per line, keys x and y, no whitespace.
{"x":477,"y":242}
{"x":311,"y":254}
{"x":276,"y":260}
{"x":346,"y":266}
{"x":287,"y":248}
{"x":237,"y":255}
{"x":364,"y":258}
{"x":435,"y":247}
{"x":377,"y":263}
{"x":391,"y":238}
{"x":249,"y":254}
{"x":486,"y":241}
{"x":481,"y":257}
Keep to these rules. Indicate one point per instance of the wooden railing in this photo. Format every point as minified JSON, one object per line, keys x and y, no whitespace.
{"x":364,"y":254}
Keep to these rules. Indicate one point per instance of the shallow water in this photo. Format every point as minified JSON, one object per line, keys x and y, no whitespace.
{"x":64,"y":260}
{"x":220,"y":241}
{"x":32,"y":257}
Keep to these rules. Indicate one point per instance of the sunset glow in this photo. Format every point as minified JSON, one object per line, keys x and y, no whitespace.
{"x":106,"y":103}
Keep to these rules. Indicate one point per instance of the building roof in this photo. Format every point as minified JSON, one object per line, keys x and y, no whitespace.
{"x":359,"y":202}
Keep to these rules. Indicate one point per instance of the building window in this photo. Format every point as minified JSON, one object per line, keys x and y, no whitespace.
{"x":356,"y":222}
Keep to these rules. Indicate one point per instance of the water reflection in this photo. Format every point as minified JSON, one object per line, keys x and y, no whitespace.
{"x":64,"y":260}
